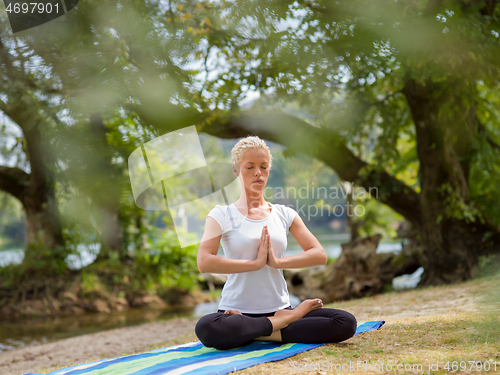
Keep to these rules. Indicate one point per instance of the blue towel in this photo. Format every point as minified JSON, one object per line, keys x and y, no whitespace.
{"x":194,"y":358}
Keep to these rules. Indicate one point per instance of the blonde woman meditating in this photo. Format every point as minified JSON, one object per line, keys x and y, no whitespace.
{"x":255,"y":303}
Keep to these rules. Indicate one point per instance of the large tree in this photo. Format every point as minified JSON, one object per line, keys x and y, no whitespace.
{"x":54,"y":144}
{"x":63,"y":85}
{"x":366,"y":79}
{"x":376,"y":89}
{"x":32,"y":179}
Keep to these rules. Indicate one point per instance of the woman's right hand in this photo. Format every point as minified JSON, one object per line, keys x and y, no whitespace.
{"x":261,"y":260}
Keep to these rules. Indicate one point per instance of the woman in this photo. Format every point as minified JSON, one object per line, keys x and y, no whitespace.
{"x":254,"y":302}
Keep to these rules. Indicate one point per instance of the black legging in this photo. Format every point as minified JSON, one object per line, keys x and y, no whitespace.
{"x":223,"y":331}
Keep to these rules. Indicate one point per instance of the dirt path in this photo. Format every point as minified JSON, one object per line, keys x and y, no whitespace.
{"x":391,"y":307}
{"x":458,"y":298}
{"x":93,"y":347}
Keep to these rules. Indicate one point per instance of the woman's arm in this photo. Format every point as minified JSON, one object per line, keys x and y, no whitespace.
{"x":208,"y":260}
{"x":313,"y":254}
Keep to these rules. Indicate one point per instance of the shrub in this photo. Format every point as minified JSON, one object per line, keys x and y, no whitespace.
{"x":164,"y":264}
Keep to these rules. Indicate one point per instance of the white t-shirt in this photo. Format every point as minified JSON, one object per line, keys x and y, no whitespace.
{"x":259,"y":291}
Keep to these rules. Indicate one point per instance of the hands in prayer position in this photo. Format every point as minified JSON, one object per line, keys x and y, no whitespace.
{"x":266,"y":254}
{"x":272,"y":260}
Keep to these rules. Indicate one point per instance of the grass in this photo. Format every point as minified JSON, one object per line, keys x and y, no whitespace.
{"x":425,"y":330}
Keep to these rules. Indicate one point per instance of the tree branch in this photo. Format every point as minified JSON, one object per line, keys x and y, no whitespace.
{"x":14,"y":181}
{"x":299,"y":136}
{"x":483,"y":130}
{"x":489,"y":7}
{"x":325,"y":145}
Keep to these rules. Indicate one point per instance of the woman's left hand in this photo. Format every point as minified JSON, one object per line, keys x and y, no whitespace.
{"x":272,"y":260}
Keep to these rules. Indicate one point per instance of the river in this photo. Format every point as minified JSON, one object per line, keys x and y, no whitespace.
{"x":32,"y":331}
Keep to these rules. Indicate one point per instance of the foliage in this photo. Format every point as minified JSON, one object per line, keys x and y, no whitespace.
{"x":343,"y":65}
{"x":10,"y":275}
{"x":12,"y":226}
{"x":164,"y":264}
{"x":302,"y":181}
{"x":376,"y":218}
{"x":485,"y":169}
{"x":337,"y":65}
{"x":488,"y":265}
{"x":91,"y":284}
{"x":456,"y":206}
{"x":41,"y":260}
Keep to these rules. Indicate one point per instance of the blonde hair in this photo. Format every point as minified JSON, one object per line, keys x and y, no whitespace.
{"x":249,"y":143}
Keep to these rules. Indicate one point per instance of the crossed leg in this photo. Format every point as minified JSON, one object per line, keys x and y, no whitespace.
{"x":307,"y":323}
{"x":317,"y":326}
{"x":321,"y":326}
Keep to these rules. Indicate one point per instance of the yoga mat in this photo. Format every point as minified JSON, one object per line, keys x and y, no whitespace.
{"x":195,"y":359}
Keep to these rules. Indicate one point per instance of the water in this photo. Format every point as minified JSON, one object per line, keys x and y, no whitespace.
{"x":407,"y":281}
{"x":14,"y":256}
{"x":331,"y":244}
{"x":87,"y":255}
{"x":32,"y":331}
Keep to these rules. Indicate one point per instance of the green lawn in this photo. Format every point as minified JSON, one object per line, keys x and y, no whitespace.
{"x":433,"y":330}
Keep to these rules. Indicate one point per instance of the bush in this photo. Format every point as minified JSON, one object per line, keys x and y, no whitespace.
{"x":164,"y":264}
{"x":487,"y":265}
{"x":40,"y":260}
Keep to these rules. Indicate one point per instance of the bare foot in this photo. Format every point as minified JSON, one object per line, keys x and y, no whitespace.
{"x":301,"y":310}
{"x":232,"y":312}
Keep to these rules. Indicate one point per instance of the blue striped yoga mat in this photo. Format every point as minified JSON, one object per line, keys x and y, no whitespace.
{"x":194,"y":358}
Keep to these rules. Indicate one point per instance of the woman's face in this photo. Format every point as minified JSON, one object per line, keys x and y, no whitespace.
{"x":254,"y":166}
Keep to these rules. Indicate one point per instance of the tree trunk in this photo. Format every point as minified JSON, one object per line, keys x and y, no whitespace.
{"x":451,"y":244}
{"x":43,"y":226}
{"x":353,"y":225}
{"x":36,"y":190}
{"x":355,"y":274}
{"x":105,"y":189}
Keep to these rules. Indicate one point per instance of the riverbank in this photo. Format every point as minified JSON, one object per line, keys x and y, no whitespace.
{"x":95,"y":346}
{"x":26,"y":332}
{"x":95,"y":289}
{"x":430,"y":325}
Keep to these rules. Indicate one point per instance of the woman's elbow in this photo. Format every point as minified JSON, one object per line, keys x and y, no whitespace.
{"x":201,"y":265}
{"x":324,"y":257}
